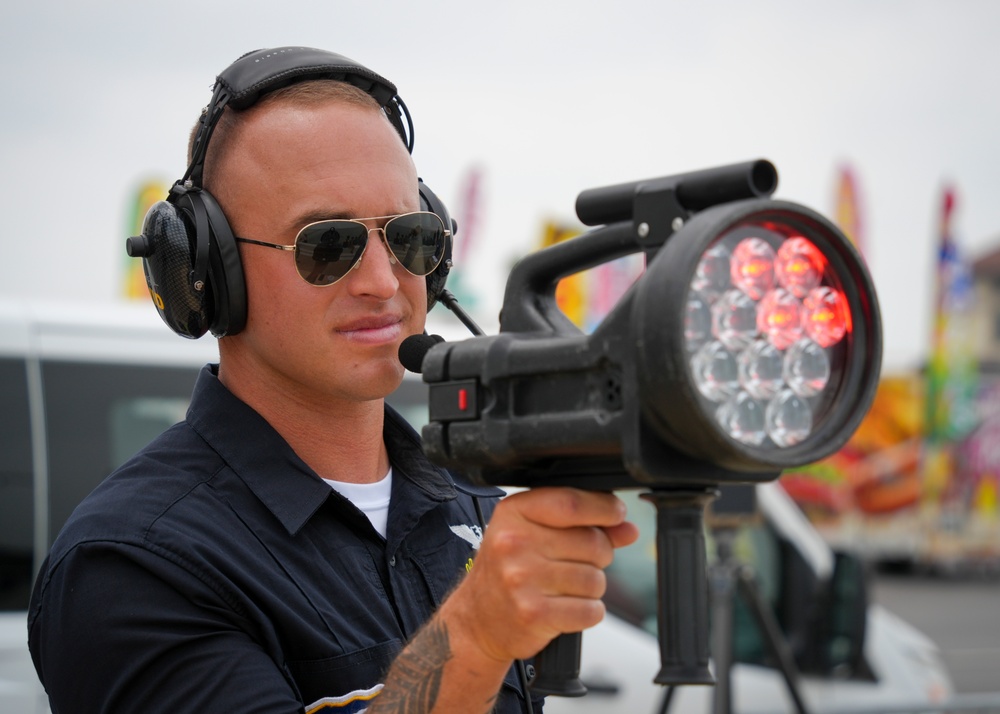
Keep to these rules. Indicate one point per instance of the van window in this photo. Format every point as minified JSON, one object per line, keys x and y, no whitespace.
{"x":97,"y":416}
{"x":136,"y":420}
{"x":17,"y":520}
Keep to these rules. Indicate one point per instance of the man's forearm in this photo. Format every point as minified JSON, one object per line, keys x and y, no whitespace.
{"x":428,"y":677}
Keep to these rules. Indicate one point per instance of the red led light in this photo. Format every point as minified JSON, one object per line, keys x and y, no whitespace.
{"x":826,"y":317}
{"x":799,"y":266}
{"x":752,"y":267}
{"x":778,"y":318}
{"x":463,"y":399}
{"x":773,"y":338}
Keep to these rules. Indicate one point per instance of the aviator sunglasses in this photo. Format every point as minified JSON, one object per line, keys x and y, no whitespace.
{"x":326,"y":251}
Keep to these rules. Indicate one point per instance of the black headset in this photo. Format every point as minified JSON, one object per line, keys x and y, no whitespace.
{"x":189,"y":253}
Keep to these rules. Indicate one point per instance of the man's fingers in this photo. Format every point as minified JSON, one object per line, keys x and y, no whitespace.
{"x":542,"y":562}
{"x":575,"y":614}
{"x":575,"y":580}
{"x":569,"y":507}
{"x":558,"y":614}
{"x":623,"y":534}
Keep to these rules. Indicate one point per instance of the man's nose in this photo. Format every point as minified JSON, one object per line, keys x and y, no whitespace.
{"x":374,"y":273}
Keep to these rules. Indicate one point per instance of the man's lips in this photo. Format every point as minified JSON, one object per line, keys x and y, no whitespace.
{"x":373,"y":330}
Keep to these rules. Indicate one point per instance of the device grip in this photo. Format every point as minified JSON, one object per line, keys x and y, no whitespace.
{"x":557,"y":668}
{"x":682,"y":611}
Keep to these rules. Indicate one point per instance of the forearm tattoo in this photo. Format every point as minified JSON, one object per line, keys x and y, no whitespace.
{"x":414,"y":681}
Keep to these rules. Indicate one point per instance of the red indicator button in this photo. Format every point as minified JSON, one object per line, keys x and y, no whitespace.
{"x":463,"y":399}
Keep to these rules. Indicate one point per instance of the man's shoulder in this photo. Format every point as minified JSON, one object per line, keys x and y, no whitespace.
{"x":160,"y":478}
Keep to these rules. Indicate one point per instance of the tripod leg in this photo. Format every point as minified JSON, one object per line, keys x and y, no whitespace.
{"x":668,"y":695}
{"x":772,"y":635}
{"x":723,"y":587}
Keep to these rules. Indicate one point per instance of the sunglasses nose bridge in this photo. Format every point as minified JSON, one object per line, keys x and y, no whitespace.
{"x":385,"y":243}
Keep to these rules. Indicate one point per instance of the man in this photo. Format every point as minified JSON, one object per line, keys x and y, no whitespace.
{"x":219,"y":571}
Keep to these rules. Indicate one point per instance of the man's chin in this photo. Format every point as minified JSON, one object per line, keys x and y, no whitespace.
{"x":381,"y":382}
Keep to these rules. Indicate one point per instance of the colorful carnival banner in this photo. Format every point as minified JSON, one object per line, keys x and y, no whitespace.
{"x":847,"y":208}
{"x":921,"y":476}
{"x":952,"y":374}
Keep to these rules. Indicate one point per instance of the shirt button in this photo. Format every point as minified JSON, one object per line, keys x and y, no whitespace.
{"x":392,"y":561}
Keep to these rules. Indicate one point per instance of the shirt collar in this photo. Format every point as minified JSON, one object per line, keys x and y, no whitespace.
{"x":257,"y":453}
{"x":282,"y":481}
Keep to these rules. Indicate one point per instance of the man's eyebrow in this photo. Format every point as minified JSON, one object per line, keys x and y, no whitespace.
{"x":316,"y":216}
{"x":319,"y":215}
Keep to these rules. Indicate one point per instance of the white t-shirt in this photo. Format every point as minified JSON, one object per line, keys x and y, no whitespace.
{"x":372,"y":499}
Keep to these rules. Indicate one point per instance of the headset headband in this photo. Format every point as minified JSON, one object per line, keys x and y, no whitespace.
{"x":256,"y":73}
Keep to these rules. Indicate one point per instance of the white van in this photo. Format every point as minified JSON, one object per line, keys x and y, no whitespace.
{"x":82,"y":387}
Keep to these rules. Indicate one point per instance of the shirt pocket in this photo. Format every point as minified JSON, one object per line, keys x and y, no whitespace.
{"x":341,"y":676}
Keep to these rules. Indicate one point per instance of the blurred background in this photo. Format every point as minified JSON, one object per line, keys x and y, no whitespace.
{"x":518,"y":107}
{"x":883,"y":116}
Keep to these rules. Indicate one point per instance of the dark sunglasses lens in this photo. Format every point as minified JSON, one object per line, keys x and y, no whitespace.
{"x":417,"y":240}
{"x":325,"y":251}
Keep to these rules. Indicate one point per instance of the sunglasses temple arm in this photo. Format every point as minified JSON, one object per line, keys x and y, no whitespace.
{"x":451,"y":302}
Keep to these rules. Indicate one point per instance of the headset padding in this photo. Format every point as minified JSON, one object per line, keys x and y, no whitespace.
{"x":227,"y":282}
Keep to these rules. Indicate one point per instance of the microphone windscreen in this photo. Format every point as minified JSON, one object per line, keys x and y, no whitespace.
{"x":413,"y":349}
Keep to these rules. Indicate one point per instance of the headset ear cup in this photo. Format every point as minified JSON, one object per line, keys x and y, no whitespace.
{"x":168,"y":249}
{"x":226,"y":270}
{"x":192,"y":265}
{"x":437,"y":278}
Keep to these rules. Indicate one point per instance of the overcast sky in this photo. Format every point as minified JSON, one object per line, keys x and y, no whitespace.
{"x":544,"y":99}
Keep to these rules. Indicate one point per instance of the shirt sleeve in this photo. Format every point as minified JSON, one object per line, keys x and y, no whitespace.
{"x":117,"y":629}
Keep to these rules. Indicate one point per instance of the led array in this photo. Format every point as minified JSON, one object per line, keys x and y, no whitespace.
{"x":762,"y":316}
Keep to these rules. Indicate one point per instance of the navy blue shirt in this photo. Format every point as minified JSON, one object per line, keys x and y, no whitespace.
{"x":216,"y":572}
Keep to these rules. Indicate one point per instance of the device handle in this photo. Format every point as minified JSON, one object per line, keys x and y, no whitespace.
{"x":682,"y":585}
{"x":529,"y":303}
{"x":557,"y":668}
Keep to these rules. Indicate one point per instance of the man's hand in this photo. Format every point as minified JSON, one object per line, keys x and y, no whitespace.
{"x":539,"y":573}
{"x":540,"y":570}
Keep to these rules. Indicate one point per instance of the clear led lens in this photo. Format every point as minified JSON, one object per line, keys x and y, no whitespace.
{"x":752,"y":268}
{"x":734,"y":320}
{"x":697,"y":321}
{"x":799,"y":266}
{"x":742,"y":417}
{"x":766,"y":327}
{"x":712,"y":274}
{"x":788,"y":418}
{"x":807,"y":368}
{"x":778,"y":318}
{"x":715,"y":372}
{"x":825,"y":316}
{"x":761,"y":368}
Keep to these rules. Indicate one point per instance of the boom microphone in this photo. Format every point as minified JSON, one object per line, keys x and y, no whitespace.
{"x":413,"y":349}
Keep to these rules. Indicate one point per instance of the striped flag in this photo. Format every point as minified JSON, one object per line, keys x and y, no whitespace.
{"x":848,"y":214}
{"x":952,"y":374}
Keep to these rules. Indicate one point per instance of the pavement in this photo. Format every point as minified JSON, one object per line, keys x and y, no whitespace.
{"x":960,"y":612}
